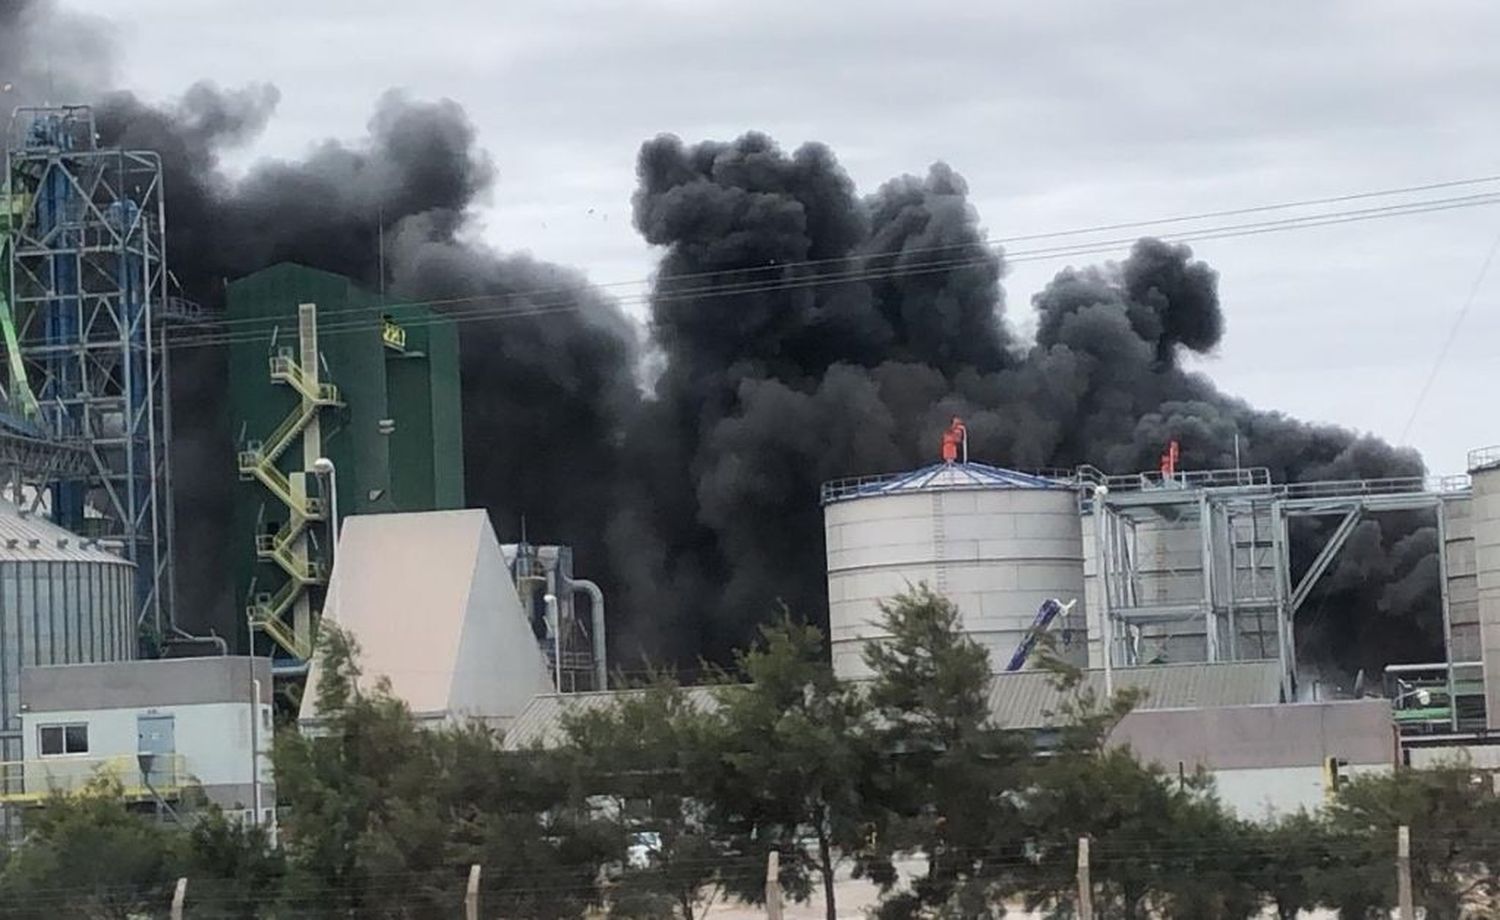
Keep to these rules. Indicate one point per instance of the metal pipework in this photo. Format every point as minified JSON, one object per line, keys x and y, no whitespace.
{"x":596,"y":608}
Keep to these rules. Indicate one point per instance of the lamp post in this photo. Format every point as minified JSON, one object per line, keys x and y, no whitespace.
{"x":554,"y":617}
{"x":324,"y":468}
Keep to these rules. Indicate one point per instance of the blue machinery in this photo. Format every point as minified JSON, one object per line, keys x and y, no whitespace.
{"x":83,"y":296}
{"x":1050,"y":610}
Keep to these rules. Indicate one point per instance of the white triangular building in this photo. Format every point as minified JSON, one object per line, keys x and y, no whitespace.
{"x":432,"y":605}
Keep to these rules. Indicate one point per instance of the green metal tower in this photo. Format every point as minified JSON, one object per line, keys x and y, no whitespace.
{"x":316,"y":360}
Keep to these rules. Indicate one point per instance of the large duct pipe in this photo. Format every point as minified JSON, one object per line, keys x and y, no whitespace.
{"x":596,"y":608}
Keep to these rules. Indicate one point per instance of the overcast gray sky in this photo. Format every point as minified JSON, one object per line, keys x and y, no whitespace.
{"x":1060,"y":115}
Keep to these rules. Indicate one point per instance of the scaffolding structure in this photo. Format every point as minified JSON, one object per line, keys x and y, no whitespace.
{"x":1229,"y":574}
{"x":85,"y":294}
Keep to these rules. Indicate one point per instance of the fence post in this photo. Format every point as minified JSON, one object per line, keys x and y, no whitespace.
{"x":179,"y":898}
{"x":471,"y":894}
{"x":1403,"y":873}
{"x":1085,"y":884}
{"x":773,"y":886}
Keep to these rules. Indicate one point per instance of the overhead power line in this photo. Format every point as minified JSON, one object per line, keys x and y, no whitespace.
{"x":1442,"y":355}
{"x":857,"y":268}
{"x":989,"y":241}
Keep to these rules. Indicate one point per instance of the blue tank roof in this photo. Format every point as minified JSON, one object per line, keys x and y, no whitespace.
{"x":938,"y":477}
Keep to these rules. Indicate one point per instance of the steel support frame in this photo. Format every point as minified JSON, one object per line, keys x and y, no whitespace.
{"x":1352,"y":507}
{"x":1217,"y":512}
{"x":87,"y":277}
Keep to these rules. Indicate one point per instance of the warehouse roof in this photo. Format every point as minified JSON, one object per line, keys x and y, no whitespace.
{"x":1027,"y":699}
{"x":1020,"y":700}
{"x":26,"y":537}
{"x":540,"y":724}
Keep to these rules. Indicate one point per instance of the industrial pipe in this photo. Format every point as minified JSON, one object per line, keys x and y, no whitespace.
{"x":596,"y":608}
{"x":183,"y":636}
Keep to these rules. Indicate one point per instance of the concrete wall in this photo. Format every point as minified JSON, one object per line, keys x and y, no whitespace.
{"x":1479,"y":756}
{"x":138,"y":684}
{"x":1265,"y":757}
{"x":212,"y":738}
{"x":1261,"y":794}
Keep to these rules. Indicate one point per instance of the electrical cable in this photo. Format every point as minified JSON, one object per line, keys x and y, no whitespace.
{"x":1458,"y":319}
{"x":993,"y":242}
{"x":195,"y":338}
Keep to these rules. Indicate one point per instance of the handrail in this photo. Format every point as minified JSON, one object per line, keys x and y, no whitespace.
{"x":32,"y":781}
{"x":1484,"y":458}
{"x":287,"y":370}
{"x":265,"y":613}
{"x":1256,"y":479}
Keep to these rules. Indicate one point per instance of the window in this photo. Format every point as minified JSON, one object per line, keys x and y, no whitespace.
{"x":64,"y":739}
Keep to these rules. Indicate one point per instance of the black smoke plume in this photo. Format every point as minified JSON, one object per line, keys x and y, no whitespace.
{"x":802,"y":332}
{"x":544,"y":390}
{"x":785,"y":382}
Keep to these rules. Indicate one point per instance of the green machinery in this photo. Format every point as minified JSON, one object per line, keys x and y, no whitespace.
{"x":22,"y":400}
{"x":320,"y":369}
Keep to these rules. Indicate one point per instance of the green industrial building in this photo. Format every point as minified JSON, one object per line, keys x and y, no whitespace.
{"x":320,"y":368}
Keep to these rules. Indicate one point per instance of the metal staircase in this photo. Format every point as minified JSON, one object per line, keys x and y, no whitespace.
{"x":287,"y":549}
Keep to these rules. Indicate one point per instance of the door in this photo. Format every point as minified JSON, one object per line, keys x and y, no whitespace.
{"x":156,"y":745}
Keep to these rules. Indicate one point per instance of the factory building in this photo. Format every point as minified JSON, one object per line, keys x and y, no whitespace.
{"x":1174,"y":572}
{"x":331,"y":374}
{"x":174,"y":734}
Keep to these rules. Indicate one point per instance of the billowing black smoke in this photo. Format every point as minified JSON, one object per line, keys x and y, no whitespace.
{"x":545,"y":390}
{"x":803,"y":332}
{"x":775,"y":382}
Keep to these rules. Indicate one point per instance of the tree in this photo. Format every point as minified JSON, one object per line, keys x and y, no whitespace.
{"x":1295,"y":852}
{"x":87,"y":855}
{"x":948,"y":786}
{"x":1160,"y":846}
{"x":646,"y":752}
{"x":1452,"y":811}
{"x":361,"y":819}
{"x":384,"y":817}
{"x":790,"y":762}
{"x":235,"y":872}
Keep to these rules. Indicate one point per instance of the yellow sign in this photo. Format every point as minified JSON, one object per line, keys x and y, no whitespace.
{"x":393,"y":335}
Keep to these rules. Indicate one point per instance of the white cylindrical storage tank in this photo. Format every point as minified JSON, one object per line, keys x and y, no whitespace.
{"x":1484,"y":467}
{"x":62,"y":601}
{"x":995,"y":542}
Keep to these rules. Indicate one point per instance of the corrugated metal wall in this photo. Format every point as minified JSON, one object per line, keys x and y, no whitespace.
{"x":65,"y":611}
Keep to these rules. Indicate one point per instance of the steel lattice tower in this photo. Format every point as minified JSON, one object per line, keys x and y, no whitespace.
{"x":87,"y":292}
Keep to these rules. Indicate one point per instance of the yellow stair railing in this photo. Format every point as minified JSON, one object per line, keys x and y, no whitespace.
{"x":266,"y":613}
{"x":30,"y":782}
{"x":257,"y":461}
{"x":277,"y":548}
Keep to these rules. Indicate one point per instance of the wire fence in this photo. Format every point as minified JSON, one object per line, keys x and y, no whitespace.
{"x":1082,"y":879}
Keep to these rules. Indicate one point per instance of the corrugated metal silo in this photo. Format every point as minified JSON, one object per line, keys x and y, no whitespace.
{"x":998,"y":543}
{"x":63,"y":600}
